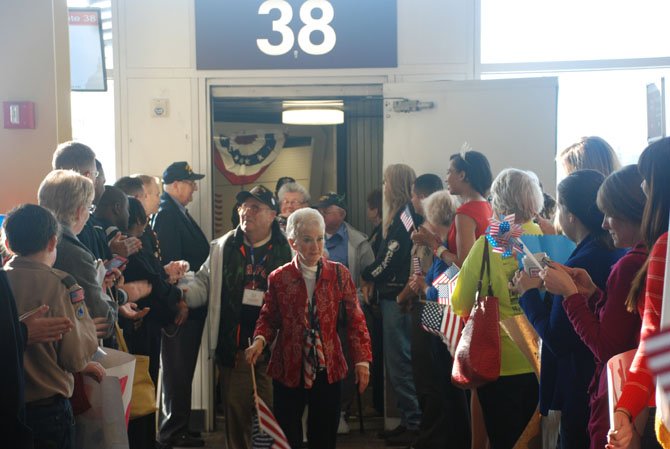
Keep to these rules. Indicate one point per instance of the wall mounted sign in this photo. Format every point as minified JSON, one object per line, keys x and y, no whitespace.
{"x":295,"y":34}
{"x":87,"y":57}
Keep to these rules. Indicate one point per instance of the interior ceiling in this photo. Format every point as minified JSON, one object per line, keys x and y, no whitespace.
{"x":268,"y":110}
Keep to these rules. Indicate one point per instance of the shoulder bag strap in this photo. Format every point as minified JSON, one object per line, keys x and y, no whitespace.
{"x":486,"y":265}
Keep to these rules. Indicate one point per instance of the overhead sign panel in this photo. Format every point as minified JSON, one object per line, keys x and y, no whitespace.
{"x":295,"y":34}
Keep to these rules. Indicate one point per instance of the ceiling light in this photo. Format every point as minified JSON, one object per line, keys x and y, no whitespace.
{"x":313,"y":112}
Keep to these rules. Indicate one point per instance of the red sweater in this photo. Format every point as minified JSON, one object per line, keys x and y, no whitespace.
{"x":639,"y":386}
{"x":608,"y":329}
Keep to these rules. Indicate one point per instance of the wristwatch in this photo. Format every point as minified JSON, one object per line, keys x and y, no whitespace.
{"x":440,"y":249}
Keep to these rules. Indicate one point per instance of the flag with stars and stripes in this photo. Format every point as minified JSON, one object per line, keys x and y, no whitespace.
{"x":406,"y":218}
{"x":416,"y":266}
{"x":265,"y":430}
{"x":446,"y":283}
{"x":657,"y":350}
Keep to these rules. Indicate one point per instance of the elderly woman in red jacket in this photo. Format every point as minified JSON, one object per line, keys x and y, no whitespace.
{"x":307,"y":363}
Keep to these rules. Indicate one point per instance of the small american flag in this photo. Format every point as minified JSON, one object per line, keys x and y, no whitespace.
{"x":657,"y":349}
{"x":445,"y":284}
{"x":265,"y":430}
{"x":416,"y":265}
{"x":438,"y":319}
{"x":407,"y":220}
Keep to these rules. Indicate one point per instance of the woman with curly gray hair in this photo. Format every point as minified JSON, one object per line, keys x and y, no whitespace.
{"x":513,"y":192}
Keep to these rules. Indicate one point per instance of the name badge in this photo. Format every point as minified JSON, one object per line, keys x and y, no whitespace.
{"x":253,"y":297}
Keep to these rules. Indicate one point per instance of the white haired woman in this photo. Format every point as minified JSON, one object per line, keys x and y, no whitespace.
{"x":69,"y":196}
{"x":513,"y":192}
{"x":300,"y":310}
{"x":448,"y":418}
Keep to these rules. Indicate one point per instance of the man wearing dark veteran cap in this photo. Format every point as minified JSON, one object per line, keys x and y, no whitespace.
{"x":232,"y":282}
{"x":350,"y":247}
{"x":180,"y":238}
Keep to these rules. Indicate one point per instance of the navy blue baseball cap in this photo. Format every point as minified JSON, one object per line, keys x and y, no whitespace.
{"x":180,"y":171}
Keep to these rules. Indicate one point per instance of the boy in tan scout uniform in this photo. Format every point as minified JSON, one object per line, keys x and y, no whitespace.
{"x":32,"y":234}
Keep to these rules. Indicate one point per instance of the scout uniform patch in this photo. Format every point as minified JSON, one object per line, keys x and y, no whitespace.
{"x":76,"y":293}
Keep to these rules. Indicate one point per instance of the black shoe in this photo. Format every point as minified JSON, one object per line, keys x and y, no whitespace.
{"x":194,"y":434}
{"x":408,"y":437}
{"x":392,"y":432}
{"x":185,"y":440}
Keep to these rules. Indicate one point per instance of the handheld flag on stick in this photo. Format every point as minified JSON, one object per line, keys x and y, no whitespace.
{"x":416,"y":266}
{"x":266,"y":433}
{"x":438,"y":319}
{"x":406,"y":218}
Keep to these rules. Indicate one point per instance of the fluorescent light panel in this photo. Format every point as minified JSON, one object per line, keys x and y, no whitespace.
{"x":313,"y":112}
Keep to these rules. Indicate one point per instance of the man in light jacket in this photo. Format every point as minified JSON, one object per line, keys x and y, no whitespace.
{"x":232,"y":282}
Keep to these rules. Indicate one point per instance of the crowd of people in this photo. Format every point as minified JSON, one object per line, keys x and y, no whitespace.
{"x":303,"y":311}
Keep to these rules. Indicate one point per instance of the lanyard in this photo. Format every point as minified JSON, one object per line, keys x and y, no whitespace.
{"x":261,"y":263}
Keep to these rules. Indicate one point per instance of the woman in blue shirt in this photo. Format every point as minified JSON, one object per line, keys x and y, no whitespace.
{"x":567,"y":363}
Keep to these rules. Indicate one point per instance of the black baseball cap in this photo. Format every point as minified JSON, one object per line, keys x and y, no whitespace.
{"x":260,"y":193}
{"x":331,"y":199}
{"x":180,"y":171}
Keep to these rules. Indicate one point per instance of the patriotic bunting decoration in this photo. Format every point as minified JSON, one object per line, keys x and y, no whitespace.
{"x":242,"y":158}
{"x":406,"y":218}
{"x":503,"y":235}
{"x":265,"y":430}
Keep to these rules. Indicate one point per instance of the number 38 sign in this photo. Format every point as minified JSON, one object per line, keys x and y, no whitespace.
{"x":295,"y":34}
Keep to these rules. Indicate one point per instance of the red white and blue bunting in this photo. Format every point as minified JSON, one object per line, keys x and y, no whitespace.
{"x":242,"y":158}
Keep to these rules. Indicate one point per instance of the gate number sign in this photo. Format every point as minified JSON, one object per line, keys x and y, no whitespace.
{"x":295,"y":34}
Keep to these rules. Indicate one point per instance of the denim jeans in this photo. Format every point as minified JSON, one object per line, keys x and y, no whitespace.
{"x":397,"y":328}
{"x":52,"y":425}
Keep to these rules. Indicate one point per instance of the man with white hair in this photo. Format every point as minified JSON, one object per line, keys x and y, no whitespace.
{"x":180,"y":238}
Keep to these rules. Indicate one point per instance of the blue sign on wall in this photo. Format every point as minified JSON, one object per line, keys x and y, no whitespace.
{"x":295,"y":34}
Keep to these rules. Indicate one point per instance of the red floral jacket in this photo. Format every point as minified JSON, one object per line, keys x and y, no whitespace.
{"x":284,"y":310}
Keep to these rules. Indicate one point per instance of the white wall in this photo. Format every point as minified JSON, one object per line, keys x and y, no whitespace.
{"x":154,"y":52}
{"x":35,"y":67}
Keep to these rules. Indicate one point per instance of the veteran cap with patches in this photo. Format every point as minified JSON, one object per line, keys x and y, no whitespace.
{"x":180,"y":171}
{"x":331,"y":199}
{"x":260,"y":193}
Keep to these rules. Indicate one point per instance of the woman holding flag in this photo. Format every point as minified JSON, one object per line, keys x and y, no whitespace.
{"x":567,"y":364}
{"x":468,"y":177}
{"x":509,"y":402}
{"x":388,"y":275}
{"x":300,"y":310}
{"x":448,"y":421}
{"x":603,"y":319}
{"x":654,"y":166}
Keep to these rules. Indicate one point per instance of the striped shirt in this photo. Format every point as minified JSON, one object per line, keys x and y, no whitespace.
{"x":639,"y":387}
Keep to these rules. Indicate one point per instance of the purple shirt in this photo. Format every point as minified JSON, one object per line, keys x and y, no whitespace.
{"x":607,"y":329}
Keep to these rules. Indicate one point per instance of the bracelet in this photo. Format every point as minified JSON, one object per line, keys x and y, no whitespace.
{"x":438,"y":252}
{"x":262,"y":341}
{"x":625,"y":412}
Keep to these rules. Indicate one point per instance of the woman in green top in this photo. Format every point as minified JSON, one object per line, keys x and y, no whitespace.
{"x":509,"y":402}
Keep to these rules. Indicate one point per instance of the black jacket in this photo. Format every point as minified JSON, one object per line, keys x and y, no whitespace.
{"x":13,"y":428}
{"x":391,"y":268}
{"x":180,"y":237}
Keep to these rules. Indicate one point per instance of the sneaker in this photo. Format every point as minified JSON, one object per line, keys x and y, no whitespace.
{"x":186,"y":440}
{"x":405,"y":438}
{"x":392,"y":432}
{"x":343,"y":426}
